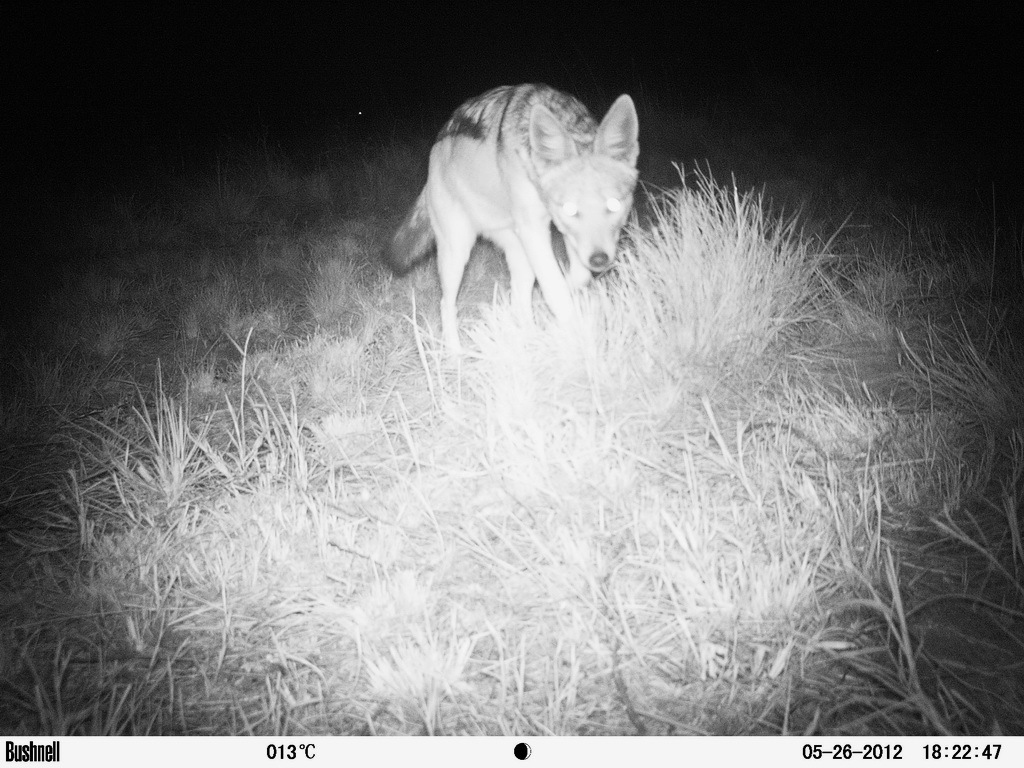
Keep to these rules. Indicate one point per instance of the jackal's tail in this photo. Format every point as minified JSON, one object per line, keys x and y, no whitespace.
{"x":413,"y":238}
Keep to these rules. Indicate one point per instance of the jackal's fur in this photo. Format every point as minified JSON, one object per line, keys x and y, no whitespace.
{"x":504,"y":167}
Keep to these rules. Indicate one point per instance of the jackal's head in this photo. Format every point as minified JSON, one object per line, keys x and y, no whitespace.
{"x":588,"y":192}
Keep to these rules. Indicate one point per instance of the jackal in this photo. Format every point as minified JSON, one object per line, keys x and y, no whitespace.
{"x":504,"y":167}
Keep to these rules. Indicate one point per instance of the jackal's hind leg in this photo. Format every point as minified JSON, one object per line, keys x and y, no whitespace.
{"x":455,"y":238}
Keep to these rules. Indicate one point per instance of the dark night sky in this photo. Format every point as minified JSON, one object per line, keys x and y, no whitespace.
{"x":91,"y":96}
{"x":84,"y":78}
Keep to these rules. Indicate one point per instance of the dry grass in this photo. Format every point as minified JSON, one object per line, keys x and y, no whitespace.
{"x":758,"y":489}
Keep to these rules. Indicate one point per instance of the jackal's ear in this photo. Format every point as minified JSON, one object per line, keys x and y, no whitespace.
{"x":618,"y":133}
{"x":548,"y":140}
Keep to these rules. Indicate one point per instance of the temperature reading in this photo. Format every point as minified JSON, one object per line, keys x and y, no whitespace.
{"x":291,"y":751}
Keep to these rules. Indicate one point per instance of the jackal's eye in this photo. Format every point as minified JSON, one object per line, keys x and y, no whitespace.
{"x":570,"y":209}
{"x":614,"y":204}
